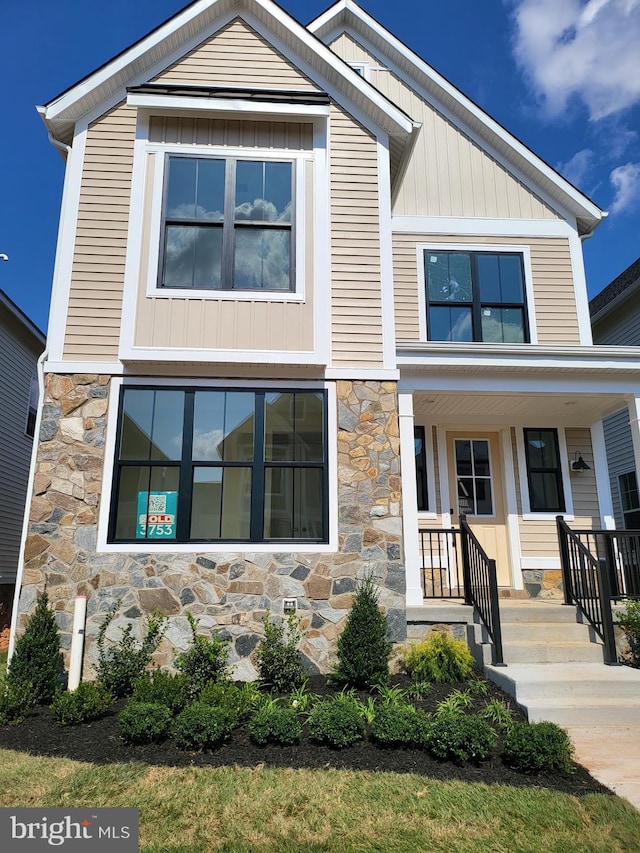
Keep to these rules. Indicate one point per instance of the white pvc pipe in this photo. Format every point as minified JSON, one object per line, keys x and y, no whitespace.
{"x":77,"y":641}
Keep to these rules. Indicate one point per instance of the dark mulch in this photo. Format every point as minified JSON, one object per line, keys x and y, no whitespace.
{"x":99,"y":742}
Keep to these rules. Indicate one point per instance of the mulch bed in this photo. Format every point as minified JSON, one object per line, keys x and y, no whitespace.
{"x":100,"y":743}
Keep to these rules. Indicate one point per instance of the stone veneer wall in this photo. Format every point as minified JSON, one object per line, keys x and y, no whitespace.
{"x":229,"y":592}
{"x":544,"y":583}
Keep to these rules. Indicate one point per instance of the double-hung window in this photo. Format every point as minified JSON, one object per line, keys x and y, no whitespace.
{"x":475,"y":296}
{"x":544,"y":470}
{"x":630,"y":500}
{"x":207,"y":465}
{"x":227,"y":224}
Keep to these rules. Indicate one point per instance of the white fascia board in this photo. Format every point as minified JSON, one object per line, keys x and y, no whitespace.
{"x":266,"y":13}
{"x":226,"y":105}
{"x":101,"y":368}
{"x":364,"y":25}
{"x":488,"y":384}
{"x":478,"y":226}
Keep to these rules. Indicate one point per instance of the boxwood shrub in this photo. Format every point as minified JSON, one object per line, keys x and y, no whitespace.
{"x":338,"y":722}
{"x":89,"y":701}
{"x":163,"y":687}
{"x":454,"y":736}
{"x":400,"y":725}
{"x":144,"y":722}
{"x":538,"y":748}
{"x":201,"y":726}
{"x":275,"y":724}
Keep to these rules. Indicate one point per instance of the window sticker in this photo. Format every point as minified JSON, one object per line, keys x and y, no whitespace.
{"x":157,"y":515}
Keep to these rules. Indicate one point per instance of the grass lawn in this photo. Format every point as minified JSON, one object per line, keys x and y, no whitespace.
{"x":196,"y":810}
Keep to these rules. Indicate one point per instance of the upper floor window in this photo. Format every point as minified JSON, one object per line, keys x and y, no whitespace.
{"x":227,"y":224}
{"x":475,"y":296}
{"x":203,"y":465}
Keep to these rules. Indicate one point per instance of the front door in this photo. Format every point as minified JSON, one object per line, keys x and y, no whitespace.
{"x":476,"y":490}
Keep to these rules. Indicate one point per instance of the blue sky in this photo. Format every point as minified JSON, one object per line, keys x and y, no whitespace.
{"x":561,"y":75}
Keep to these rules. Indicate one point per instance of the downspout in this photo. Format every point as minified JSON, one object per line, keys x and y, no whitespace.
{"x":65,"y":150}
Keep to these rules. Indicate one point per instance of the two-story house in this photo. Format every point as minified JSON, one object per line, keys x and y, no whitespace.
{"x":309,"y":300}
{"x":21,"y":343}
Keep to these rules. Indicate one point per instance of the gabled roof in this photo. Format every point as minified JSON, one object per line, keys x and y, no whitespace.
{"x":20,"y":317}
{"x":621,"y":288}
{"x":347,"y":16}
{"x":165,"y":44}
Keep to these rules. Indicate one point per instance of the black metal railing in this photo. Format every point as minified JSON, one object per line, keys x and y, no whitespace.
{"x":481,"y":588}
{"x":619,"y":552}
{"x":441,"y":555}
{"x":587,"y":584}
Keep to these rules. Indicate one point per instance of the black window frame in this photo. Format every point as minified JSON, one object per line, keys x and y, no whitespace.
{"x":421,"y":469}
{"x":229,"y":224}
{"x":32,"y":407}
{"x":186,"y":465}
{"x":476,"y":304}
{"x":557,"y":471}
{"x":625,"y":492}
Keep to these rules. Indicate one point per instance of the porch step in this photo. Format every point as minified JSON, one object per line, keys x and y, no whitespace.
{"x":573,"y":694}
{"x":536,"y":611}
{"x":553,"y":651}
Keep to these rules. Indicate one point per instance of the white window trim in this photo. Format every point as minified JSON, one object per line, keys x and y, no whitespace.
{"x":527,"y":513}
{"x":105,"y":547}
{"x":361,"y":65}
{"x":298,"y":159}
{"x":525,"y":251}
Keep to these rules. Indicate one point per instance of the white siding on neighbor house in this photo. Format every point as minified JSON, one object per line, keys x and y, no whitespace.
{"x":617,"y":436}
{"x":355,"y":245}
{"x":236,"y":57}
{"x":19,"y":353}
{"x":448,"y":174}
{"x":554,"y":294}
{"x":97,"y":278}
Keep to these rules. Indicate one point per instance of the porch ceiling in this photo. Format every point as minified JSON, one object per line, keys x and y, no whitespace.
{"x":480,"y":407}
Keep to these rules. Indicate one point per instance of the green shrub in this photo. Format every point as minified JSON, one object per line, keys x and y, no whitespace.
{"x":440,"y":658}
{"x":275,"y":723}
{"x":238,"y":702}
{"x":89,"y":701}
{"x":363,"y":646}
{"x":162,"y":687}
{"x":36,"y":658}
{"x":538,"y":748}
{"x":280,"y":664}
{"x":16,"y":702}
{"x":457,"y":700}
{"x":201,"y":726}
{"x":205,"y":661}
{"x":458,"y":737}
{"x":121,"y":663}
{"x":499,"y":714}
{"x":400,"y":725}
{"x":338,"y":722}
{"x":144,"y":722}
{"x":629,"y":621}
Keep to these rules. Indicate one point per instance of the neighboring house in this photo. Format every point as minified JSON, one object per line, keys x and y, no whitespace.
{"x":309,"y":299}
{"x":615,"y":319}
{"x":21,"y":344}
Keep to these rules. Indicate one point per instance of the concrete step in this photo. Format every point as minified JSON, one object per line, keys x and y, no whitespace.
{"x":542,"y":652}
{"x":573,"y":694}
{"x":535,"y":611}
{"x":549,"y":632}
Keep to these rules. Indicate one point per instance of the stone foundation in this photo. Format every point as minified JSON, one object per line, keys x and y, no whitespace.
{"x":544,"y":584}
{"x":228,"y":592}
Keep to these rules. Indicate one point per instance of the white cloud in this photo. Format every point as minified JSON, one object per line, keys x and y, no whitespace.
{"x":577,"y":168}
{"x":626,"y":182}
{"x":588,"y":49}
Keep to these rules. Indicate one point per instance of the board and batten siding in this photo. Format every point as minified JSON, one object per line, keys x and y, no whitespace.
{"x":355,"y":245}
{"x":620,"y":458}
{"x":194,"y":322}
{"x":19,"y":353}
{"x":97,"y":277}
{"x":236,"y":57}
{"x":448,"y":174}
{"x":553,"y":287}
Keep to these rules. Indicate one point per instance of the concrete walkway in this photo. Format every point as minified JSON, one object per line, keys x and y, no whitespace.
{"x":612,"y":755}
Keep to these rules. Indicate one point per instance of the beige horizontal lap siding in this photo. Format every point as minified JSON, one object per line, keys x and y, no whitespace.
{"x":449,"y":174}
{"x":97,"y":278}
{"x":191,"y":322}
{"x":236,"y":57}
{"x":584,"y":490}
{"x":553,"y":288}
{"x":355,"y":245}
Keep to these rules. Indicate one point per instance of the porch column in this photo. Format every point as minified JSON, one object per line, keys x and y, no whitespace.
{"x":409,"y":499}
{"x":603,"y":483}
{"x":633,"y":404}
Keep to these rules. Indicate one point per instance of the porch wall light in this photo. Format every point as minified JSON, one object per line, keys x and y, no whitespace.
{"x":578,"y":463}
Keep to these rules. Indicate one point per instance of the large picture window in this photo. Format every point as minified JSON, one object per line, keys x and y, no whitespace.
{"x":475,"y":296}
{"x":544,"y":471}
{"x":227,"y":224}
{"x":220,"y":465}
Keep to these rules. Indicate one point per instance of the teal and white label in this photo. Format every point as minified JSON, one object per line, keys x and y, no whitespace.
{"x":157,"y":515}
